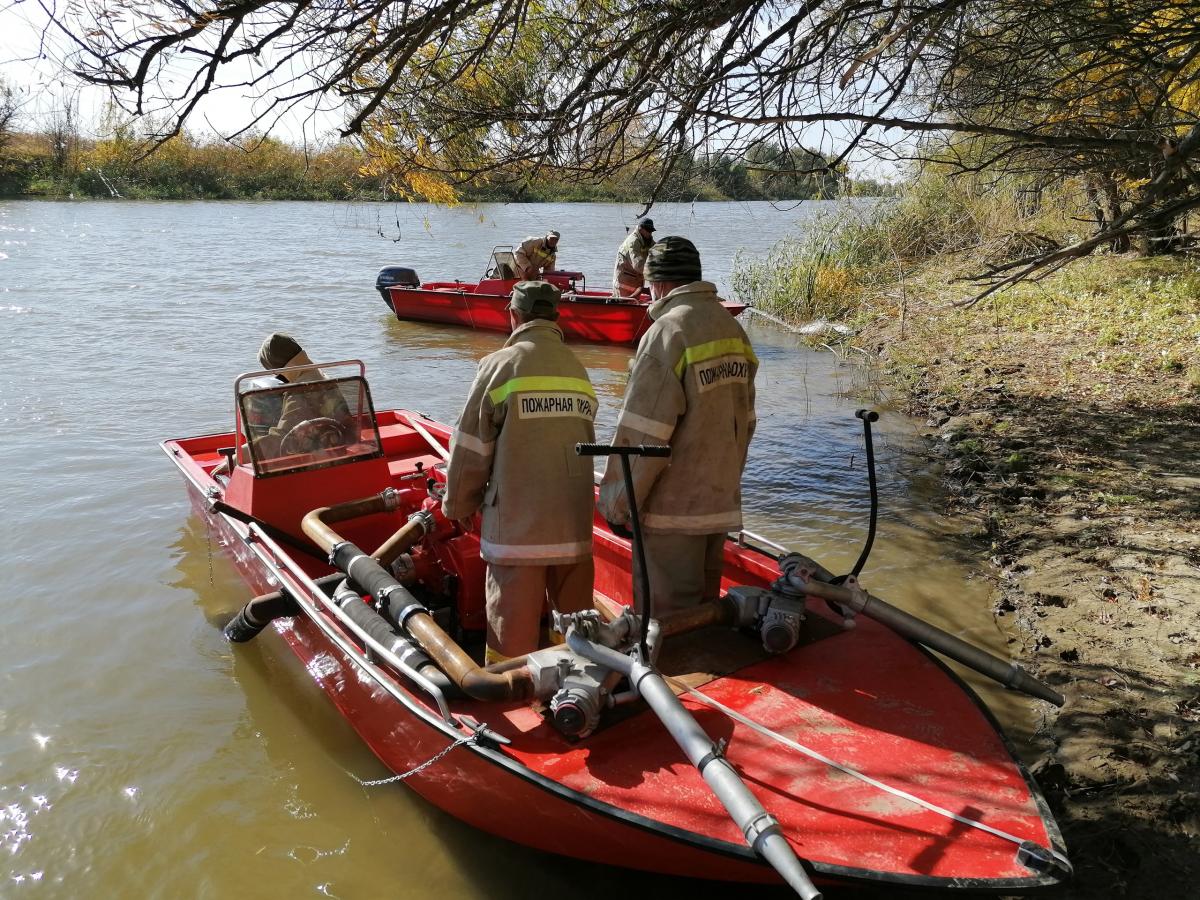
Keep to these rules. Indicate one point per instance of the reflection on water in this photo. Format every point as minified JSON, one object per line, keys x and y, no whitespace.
{"x":141,"y":755}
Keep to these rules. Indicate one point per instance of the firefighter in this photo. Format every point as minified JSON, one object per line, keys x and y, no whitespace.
{"x":691,"y":386}
{"x":536,"y":256}
{"x":628,"y":276}
{"x":513,"y":458}
{"x":322,"y":411}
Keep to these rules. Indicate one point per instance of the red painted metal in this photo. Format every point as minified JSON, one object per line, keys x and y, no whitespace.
{"x":626,"y":795}
{"x":593,"y":316}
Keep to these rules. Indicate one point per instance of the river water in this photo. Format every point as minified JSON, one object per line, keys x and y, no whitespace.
{"x":143,"y":756}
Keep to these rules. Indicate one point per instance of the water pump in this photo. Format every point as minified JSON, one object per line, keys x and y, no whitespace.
{"x":777,"y":613}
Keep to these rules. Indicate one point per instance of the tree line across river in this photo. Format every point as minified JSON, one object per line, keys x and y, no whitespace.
{"x":57,"y":162}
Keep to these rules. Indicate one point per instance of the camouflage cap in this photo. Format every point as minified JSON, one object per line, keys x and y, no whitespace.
{"x":278,"y":350}
{"x":673,"y":258}
{"x":535,"y":298}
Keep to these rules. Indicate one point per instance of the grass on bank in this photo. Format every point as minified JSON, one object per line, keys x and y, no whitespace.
{"x":1110,"y":329}
{"x":1106,"y":328}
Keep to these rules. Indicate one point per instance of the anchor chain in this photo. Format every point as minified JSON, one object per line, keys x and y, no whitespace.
{"x":374,"y":782}
{"x":208,"y":542}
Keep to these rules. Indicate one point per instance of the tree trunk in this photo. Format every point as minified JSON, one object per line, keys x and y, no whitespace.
{"x":1112,"y":207}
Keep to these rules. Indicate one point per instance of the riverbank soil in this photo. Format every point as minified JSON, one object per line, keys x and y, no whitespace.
{"x":1068,"y":416}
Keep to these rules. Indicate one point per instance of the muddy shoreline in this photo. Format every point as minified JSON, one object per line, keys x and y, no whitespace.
{"x":1087,"y":518}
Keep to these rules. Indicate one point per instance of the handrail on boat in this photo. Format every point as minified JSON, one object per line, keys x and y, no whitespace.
{"x":278,"y":562}
{"x":420,"y":429}
{"x":743,"y":536}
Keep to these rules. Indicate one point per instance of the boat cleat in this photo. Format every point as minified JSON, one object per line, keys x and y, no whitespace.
{"x":482,"y":733}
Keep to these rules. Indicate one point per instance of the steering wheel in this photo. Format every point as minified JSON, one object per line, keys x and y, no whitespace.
{"x":312,"y":434}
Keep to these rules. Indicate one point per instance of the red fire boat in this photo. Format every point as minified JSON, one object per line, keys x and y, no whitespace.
{"x":584,"y":315}
{"x":783,"y":732}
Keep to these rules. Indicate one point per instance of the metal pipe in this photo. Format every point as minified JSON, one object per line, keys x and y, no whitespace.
{"x":760,"y":828}
{"x":312,"y":600}
{"x":1007,"y":673}
{"x":402,"y":541}
{"x":646,"y":607}
{"x":408,"y":612}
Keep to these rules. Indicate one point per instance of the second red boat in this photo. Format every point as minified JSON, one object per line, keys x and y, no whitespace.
{"x":584,"y":315}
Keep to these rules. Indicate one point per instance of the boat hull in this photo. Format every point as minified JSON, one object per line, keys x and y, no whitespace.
{"x":504,"y":798}
{"x":588,"y":316}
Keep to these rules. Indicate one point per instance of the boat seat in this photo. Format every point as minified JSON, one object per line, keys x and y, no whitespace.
{"x":399,"y":439}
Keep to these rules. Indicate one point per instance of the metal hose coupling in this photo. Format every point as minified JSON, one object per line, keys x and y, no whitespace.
{"x":424,"y":516}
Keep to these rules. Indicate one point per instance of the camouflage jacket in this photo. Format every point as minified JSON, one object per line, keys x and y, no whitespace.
{"x":533,"y":253}
{"x":628,"y":275}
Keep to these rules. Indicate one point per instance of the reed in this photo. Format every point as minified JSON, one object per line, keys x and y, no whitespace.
{"x":854,"y":262}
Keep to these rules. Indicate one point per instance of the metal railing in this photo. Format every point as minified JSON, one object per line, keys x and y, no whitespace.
{"x":312,"y":599}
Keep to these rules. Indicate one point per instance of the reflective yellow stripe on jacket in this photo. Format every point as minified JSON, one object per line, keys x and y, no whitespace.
{"x":712,"y":350}
{"x":540,"y":383}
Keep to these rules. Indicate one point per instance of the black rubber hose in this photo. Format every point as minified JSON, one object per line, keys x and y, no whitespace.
{"x":382,"y":631}
{"x":372,"y":578}
{"x":266,"y":608}
{"x":868,"y":416}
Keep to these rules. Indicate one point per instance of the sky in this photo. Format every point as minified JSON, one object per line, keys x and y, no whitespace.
{"x":46,"y":89}
{"x":32,"y":65}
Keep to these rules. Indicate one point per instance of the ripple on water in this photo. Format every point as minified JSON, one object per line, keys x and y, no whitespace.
{"x":27,"y":810}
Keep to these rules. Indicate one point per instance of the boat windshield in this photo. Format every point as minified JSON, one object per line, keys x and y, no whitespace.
{"x":503,"y":264}
{"x":320,"y":417}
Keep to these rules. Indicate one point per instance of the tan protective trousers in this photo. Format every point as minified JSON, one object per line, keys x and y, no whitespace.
{"x":685,"y":570}
{"x":627,"y":286}
{"x":518,"y":595}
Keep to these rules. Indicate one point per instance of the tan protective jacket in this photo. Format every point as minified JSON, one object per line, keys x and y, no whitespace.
{"x":628,"y":275}
{"x":513,"y":453}
{"x":692,"y":387}
{"x":534,"y":254}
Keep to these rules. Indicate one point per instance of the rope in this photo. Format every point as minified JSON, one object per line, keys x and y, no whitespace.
{"x":374,"y":782}
{"x":886,"y":788}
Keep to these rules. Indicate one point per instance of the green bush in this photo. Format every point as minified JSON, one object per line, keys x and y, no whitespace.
{"x":842,"y":261}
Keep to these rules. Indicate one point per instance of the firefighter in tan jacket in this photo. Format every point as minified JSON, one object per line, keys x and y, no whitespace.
{"x":628,"y":275}
{"x":692,"y":387}
{"x":513,"y":457}
{"x":536,"y":255}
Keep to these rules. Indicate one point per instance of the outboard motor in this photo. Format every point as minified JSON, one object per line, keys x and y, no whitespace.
{"x":395,"y":276}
